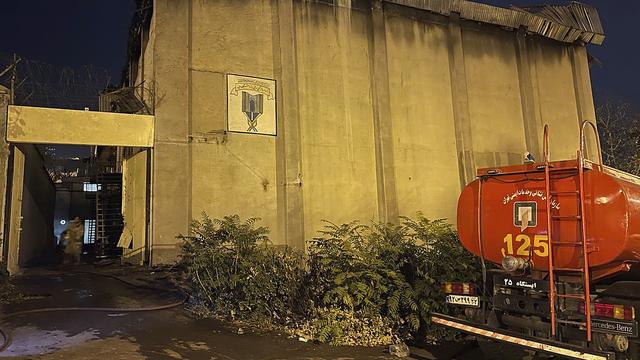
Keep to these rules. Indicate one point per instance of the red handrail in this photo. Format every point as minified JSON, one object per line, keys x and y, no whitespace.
{"x":595,"y":132}
{"x":585,"y":253}
{"x":547,"y":189}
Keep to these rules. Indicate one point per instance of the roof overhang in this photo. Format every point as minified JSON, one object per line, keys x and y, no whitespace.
{"x":570,"y":23}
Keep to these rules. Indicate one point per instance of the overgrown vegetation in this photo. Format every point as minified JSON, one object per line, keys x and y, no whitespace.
{"x":237,"y":274}
{"x":358,"y":285}
{"x":8,"y":293}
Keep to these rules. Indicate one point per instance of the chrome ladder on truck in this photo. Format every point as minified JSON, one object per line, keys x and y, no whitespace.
{"x":582,"y":244}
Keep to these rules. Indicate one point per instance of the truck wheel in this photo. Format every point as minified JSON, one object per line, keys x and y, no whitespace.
{"x":632,"y":354}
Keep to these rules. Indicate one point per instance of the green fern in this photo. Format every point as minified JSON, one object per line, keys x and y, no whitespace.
{"x":358,"y":284}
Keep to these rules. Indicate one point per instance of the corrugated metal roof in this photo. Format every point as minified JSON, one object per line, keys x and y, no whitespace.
{"x":122,"y":100}
{"x":567,"y":23}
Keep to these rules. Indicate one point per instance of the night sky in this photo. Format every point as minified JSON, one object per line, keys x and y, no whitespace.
{"x":618,"y":77}
{"x":68,"y":32}
{"x":79,"y":32}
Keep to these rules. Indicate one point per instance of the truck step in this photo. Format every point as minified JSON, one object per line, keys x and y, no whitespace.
{"x":566,"y":217}
{"x":571,"y":322}
{"x":568,"y":192}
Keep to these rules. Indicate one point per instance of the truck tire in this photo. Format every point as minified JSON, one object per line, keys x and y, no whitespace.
{"x":633,"y":353}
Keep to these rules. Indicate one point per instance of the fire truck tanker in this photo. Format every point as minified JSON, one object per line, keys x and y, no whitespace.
{"x":560,"y":247}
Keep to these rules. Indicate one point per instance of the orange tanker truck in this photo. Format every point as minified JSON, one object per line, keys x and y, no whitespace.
{"x":560,"y":247}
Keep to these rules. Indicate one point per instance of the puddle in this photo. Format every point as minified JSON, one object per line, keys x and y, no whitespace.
{"x":29,"y":340}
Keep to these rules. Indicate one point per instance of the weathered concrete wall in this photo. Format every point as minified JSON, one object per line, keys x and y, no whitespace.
{"x":494,"y":97}
{"x":37,"y":242}
{"x":235,"y":166}
{"x":134,"y":206}
{"x":15,"y":211}
{"x":144,"y":81}
{"x":338,"y":149}
{"x":31,"y":236}
{"x":171,"y":179}
{"x":556,"y":96}
{"x":425,"y":154}
{"x":382,"y":111}
{"x":39,"y":125}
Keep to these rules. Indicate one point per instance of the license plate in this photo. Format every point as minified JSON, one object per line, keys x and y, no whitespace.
{"x":463,"y":300}
{"x":521,"y":283}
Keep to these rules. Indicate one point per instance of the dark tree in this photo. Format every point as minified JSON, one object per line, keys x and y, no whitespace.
{"x":619,"y":129}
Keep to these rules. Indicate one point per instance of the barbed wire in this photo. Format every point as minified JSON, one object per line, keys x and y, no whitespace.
{"x":42,"y":84}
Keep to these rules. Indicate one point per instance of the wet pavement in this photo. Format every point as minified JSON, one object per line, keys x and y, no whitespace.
{"x":165,"y":334}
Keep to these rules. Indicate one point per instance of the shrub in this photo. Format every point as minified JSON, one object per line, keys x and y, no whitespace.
{"x":359,"y":284}
{"x":393,"y":271}
{"x":237,"y":274}
{"x":354,"y":268}
{"x":438,"y":257}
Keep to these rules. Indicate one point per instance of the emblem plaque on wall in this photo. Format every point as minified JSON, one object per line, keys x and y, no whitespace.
{"x":251,"y":105}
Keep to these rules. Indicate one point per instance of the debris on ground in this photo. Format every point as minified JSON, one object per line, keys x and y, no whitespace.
{"x":400,"y":350}
{"x":8,"y":293}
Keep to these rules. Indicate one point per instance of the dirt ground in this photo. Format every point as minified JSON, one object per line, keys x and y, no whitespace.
{"x":165,"y":334}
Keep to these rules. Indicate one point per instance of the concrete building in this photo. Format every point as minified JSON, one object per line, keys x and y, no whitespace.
{"x":384,"y":108}
{"x":299,"y":111}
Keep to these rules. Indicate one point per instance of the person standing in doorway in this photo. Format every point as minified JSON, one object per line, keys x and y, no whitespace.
{"x":75,"y":238}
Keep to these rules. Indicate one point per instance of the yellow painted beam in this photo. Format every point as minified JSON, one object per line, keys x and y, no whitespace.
{"x":37,"y":125}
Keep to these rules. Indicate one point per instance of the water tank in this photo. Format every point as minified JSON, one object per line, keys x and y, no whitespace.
{"x":506,"y":208}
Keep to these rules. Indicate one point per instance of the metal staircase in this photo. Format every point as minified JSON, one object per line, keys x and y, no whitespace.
{"x":109,"y":221}
{"x":582,"y":244}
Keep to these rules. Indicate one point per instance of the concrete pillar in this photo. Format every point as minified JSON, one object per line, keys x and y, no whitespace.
{"x":533,"y":126}
{"x":288,"y":145}
{"x":15,"y":213}
{"x":460,"y":100}
{"x":4,"y":173}
{"x":171,"y":179}
{"x":584,"y":96}
{"x":385,"y":171}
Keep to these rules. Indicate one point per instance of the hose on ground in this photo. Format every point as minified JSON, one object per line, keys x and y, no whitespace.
{"x":7,"y":336}
{"x":6,"y":340}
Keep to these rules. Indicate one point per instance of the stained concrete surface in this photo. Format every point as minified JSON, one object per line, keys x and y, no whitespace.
{"x":165,"y":334}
